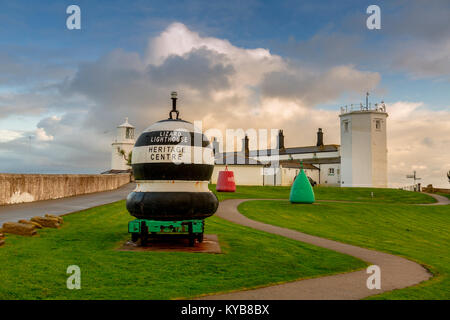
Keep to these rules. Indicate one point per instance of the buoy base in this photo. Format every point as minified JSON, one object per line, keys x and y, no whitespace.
{"x":143,"y":230}
{"x":294,"y":202}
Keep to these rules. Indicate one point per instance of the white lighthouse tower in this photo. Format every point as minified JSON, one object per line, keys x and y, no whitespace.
{"x":122,"y":146}
{"x":364,"y":145}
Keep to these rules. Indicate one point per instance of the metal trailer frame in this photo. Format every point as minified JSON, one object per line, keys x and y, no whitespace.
{"x":146,"y":230}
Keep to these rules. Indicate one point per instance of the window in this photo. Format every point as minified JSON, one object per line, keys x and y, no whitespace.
{"x":331,"y":171}
{"x":345,"y":126}
{"x":129,"y":133}
{"x":378,"y":125}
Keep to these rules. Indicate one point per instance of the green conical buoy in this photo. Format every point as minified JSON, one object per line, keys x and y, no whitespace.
{"x":301,"y":190}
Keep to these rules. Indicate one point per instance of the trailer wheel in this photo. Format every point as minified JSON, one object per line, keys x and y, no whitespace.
{"x":134,"y":237}
{"x":200,"y":238}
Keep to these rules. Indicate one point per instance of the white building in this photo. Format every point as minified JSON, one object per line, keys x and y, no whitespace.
{"x":122,"y":147}
{"x":364,"y":148}
{"x":360,"y":160}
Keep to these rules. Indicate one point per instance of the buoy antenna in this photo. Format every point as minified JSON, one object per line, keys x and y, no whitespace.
{"x":174,"y":97}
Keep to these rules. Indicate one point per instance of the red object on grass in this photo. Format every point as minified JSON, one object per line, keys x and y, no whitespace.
{"x":225,"y":181}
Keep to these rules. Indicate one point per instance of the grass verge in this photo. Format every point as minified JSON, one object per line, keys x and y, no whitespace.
{"x":35,"y":268}
{"x":420,"y":233}
{"x":329,"y":193}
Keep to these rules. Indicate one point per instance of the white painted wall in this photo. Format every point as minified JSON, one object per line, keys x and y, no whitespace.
{"x":363,"y":149}
{"x":244,"y":175}
{"x":288,"y":175}
{"x":328,"y":178}
{"x":300,"y":156}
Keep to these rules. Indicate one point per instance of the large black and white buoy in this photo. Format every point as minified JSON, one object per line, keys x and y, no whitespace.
{"x":172,"y":163}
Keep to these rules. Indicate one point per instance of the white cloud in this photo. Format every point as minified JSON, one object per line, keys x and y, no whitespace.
{"x":418,"y":139}
{"x":41,"y":135}
{"x":9,"y":135}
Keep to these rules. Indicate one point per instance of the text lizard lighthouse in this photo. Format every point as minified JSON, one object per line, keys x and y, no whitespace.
{"x":122,"y":147}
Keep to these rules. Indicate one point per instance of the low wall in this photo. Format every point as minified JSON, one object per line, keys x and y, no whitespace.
{"x":18,"y":188}
{"x":434,"y":190}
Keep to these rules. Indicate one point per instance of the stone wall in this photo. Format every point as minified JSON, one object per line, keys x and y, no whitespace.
{"x":17,"y":188}
{"x":434,"y":190}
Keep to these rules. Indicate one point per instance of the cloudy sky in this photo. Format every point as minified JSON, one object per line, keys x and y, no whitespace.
{"x":236,"y":64}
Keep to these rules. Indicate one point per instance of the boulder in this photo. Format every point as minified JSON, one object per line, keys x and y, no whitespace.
{"x":19,"y":228}
{"x":46,"y":222}
{"x":60,"y":219}
{"x":37,"y":225}
{"x":2,"y":242}
{"x":2,"y":235}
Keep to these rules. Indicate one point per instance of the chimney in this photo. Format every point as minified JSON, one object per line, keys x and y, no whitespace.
{"x":280,"y":140}
{"x":245,"y":148}
{"x":320,"y":138}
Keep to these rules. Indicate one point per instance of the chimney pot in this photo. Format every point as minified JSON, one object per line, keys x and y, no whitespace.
{"x":280,"y":140}
{"x":245,"y":147}
{"x":319,"y":138}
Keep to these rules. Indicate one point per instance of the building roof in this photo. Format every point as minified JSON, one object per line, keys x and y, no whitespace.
{"x":126,"y":124}
{"x":311,"y":149}
{"x":296,"y":164}
{"x":330,"y":160}
{"x":286,"y":151}
{"x":236,"y":158}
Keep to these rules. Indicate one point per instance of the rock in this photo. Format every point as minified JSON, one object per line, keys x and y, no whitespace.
{"x":46,"y":222}
{"x":60,"y":219}
{"x":19,"y":228}
{"x":2,"y":242}
{"x":37,"y":225}
{"x":2,"y":236}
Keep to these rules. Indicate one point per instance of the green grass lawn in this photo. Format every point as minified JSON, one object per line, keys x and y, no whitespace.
{"x":420,"y":233}
{"x":35,"y":268}
{"x":329,"y":193}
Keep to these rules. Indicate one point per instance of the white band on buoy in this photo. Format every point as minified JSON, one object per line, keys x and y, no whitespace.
{"x":173,"y":154}
{"x":171,"y":186}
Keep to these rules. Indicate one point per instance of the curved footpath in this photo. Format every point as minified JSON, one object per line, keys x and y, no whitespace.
{"x":396,"y":272}
{"x":441,"y":200}
{"x":15,"y":212}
